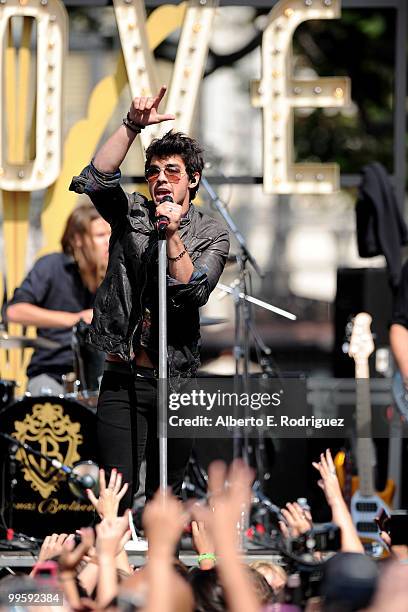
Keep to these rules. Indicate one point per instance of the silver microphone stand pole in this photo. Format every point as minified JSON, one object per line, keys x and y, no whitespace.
{"x":162,"y":382}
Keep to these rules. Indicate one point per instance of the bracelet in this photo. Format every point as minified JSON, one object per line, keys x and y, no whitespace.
{"x":179,"y":256}
{"x":134,"y":124}
{"x":204,"y":556}
{"x":132,"y":128}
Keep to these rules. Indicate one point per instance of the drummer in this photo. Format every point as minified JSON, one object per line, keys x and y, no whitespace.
{"x":59,"y":292}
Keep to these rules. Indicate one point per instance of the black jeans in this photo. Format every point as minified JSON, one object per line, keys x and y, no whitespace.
{"x":127,"y":432}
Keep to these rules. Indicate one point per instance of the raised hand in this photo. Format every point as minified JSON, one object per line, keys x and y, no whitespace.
{"x":230,"y":495}
{"x":203,"y":543}
{"x":107,"y":503}
{"x":70,"y":556}
{"x":53,"y":544}
{"x":298,"y":521}
{"x":163,"y":521}
{"x":144,"y":111}
{"x":328,"y":481}
{"x":202,"y":540}
{"x":112,"y":535}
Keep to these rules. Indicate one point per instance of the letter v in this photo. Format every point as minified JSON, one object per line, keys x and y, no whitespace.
{"x":189,"y":65}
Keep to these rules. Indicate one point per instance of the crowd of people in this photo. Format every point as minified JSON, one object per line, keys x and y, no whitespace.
{"x":92,"y":571}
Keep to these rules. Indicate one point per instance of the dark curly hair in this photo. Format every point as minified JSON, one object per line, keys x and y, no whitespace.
{"x":177,"y":143}
{"x":208,"y":592}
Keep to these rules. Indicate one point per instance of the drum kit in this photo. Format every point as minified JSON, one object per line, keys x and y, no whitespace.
{"x":48,"y":438}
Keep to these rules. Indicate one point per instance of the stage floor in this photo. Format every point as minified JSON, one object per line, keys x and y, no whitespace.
{"x":26,"y":559}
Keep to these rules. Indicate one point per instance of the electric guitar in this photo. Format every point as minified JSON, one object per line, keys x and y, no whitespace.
{"x":366,"y":503}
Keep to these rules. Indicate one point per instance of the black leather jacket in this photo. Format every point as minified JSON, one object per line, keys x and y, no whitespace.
{"x":130,"y":284}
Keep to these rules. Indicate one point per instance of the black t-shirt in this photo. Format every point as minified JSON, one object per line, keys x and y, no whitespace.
{"x":54,"y":283}
{"x":400,"y":304}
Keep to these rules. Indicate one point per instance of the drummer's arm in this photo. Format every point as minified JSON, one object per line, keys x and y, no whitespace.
{"x":399,"y":347}
{"x":30,"y":314}
{"x":399,"y":325}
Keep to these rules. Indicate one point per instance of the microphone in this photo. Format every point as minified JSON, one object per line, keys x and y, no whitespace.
{"x":86,"y":481}
{"x":163,"y":221}
{"x":76,"y":474}
{"x":84,"y":475}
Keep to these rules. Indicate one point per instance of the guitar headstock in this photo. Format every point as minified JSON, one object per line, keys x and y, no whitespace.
{"x":361,"y":341}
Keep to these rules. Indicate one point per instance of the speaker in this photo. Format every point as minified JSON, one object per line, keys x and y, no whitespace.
{"x":360,"y":290}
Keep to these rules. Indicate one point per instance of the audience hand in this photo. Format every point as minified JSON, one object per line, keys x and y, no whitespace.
{"x":71,"y":555}
{"x":163,"y":521}
{"x":202,"y":540}
{"x":229,"y":497}
{"x":203,"y":543}
{"x":350,"y":542}
{"x":392,"y":590}
{"x":107,"y":504}
{"x":298,"y":521}
{"x":112,"y":535}
{"x":328,"y":481}
{"x":52,"y":545}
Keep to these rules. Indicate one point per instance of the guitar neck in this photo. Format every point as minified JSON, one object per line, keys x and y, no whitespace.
{"x":365,"y":454}
{"x":362,"y":369}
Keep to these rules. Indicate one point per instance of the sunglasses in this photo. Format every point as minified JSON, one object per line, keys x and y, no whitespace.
{"x":172,"y":173}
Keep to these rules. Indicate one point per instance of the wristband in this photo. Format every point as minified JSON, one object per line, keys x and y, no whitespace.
{"x":204,"y":556}
{"x":138,"y":126}
{"x":179,"y":256}
{"x":131,"y":127}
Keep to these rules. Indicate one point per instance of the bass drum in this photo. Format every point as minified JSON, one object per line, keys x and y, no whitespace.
{"x":41,"y":502}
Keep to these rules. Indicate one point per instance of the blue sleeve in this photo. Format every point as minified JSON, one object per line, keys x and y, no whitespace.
{"x":104,"y":190}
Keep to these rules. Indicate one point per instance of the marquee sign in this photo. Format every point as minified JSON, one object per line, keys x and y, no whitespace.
{"x":277,"y":93}
{"x":18,"y":172}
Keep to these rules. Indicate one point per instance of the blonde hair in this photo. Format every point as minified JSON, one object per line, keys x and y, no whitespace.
{"x":274,"y":567}
{"x":78,"y":223}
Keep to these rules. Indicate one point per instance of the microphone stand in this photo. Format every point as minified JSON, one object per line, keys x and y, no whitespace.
{"x":162,"y":382}
{"x":13,"y":481}
{"x":222,"y":209}
{"x":242,"y":310}
{"x":244,"y":326}
{"x":81,"y":481}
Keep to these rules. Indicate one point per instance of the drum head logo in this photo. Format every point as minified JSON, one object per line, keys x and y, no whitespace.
{"x":50,"y":431}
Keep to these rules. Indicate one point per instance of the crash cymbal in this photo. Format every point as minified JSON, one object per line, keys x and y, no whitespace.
{"x":212,"y":320}
{"x":21,"y":342}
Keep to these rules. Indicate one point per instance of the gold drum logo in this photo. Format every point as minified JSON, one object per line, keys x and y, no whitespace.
{"x":50,"y":431}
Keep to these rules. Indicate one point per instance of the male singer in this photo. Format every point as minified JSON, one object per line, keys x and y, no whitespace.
{"x":125,"y":321}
